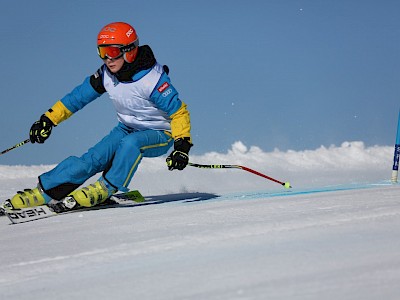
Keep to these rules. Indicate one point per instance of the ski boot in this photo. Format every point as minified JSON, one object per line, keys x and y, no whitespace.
{"x":29,"y":198}
{"x":93,"y":194}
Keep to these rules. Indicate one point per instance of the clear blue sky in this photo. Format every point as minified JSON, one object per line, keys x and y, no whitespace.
{"x":286,"y":74}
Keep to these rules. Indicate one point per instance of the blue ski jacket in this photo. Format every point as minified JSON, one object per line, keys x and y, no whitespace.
{"x":141,"y":92}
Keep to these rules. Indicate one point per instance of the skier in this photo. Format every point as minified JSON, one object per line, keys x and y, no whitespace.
{"x":151,"y":118}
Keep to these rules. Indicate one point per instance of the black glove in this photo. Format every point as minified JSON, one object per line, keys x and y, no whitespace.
{"x":179,"y":158}
{"x":41,"y":130}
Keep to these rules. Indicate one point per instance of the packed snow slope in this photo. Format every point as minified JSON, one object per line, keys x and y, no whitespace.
{"x":220,"y":234}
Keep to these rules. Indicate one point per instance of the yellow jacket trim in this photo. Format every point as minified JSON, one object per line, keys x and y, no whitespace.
{"x":180,"y":123}
{"x":58,"y":113}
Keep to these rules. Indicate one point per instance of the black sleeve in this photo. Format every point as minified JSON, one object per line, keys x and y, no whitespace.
{"x":96,"y":81}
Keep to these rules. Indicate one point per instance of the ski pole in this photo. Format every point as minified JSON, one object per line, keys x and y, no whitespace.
{"x":16,"y":146}
{"x":285,"y":184}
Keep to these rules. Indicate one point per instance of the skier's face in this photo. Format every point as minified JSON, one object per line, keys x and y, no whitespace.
{"x":114,"y":64}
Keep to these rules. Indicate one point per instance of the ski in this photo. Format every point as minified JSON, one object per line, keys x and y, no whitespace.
{"x":28,"y":214}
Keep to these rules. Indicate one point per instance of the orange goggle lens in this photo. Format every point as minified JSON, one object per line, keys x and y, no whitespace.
{"x":109,"y":51}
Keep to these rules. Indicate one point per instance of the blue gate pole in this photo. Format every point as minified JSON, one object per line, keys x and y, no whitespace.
{"x":395,"y":170}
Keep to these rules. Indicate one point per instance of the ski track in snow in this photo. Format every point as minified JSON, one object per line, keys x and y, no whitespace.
{"x":330,"y":243}
{"x":219,"y":234}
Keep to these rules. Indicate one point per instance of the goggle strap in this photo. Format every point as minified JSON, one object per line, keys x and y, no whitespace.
{"x":130,"y":47}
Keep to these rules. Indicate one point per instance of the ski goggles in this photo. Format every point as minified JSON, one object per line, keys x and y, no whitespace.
{"x":115,"y":51}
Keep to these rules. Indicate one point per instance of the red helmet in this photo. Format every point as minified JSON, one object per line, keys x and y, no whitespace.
{"x":118,"y":39}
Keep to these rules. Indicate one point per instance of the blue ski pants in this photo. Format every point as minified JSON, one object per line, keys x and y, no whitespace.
{"x":117,"y":155}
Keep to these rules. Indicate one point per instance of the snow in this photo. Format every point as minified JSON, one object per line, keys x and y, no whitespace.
{"x":220,"y":234}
